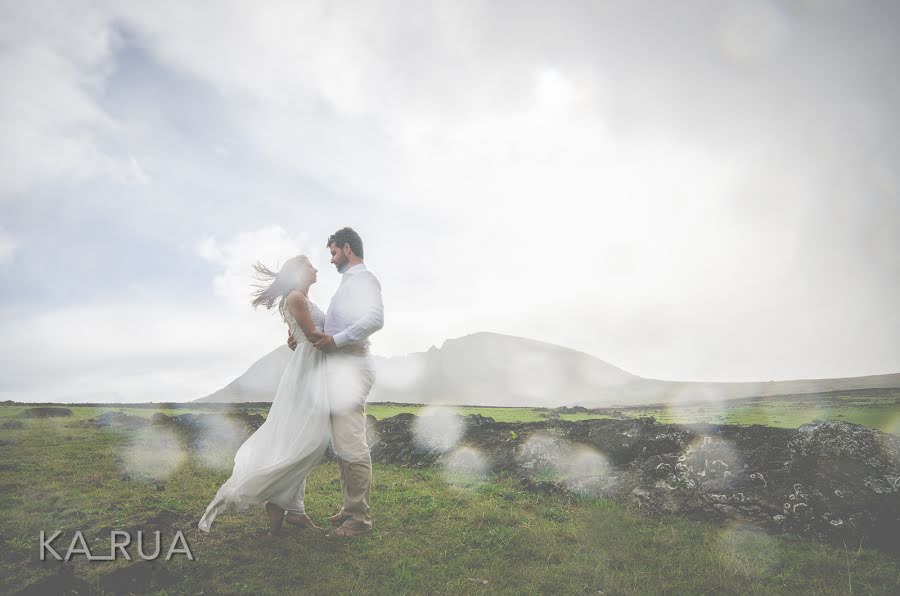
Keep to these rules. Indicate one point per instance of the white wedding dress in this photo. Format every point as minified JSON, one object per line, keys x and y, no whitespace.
{"x":274,"y":461}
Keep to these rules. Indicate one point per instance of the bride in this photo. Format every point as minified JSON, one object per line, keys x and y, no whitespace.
{"x":272,"y":464}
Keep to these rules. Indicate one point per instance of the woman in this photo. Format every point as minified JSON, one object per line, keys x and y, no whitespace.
{"x":271,"y":466}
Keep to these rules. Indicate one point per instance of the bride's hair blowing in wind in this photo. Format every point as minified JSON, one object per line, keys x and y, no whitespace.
{"x":275,"y":286}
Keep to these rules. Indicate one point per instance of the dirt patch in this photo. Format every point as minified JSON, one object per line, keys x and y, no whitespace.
{"x":167,"y":522}
{"x":64,"y":581}
{"x":139,"y":577}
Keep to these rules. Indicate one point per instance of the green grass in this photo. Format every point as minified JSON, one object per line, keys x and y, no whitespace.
{"x":432,"y":535}
{"x":879,"y":410}
{"x":874,"y":408}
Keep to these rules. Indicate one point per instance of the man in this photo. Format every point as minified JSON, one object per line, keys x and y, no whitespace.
{"x":356,"y":312}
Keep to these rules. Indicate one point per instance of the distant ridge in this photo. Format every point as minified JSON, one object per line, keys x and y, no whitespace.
{"x":258,"y":383}
{"x":493,"y":369}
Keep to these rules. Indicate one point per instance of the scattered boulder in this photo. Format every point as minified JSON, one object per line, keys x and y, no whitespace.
{"x":114,"y":419}
{"x":45,"y":412}
{"x":12,"y":425}
{"x":206,"y":431}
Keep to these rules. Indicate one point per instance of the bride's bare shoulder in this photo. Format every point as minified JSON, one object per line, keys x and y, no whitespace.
{"x":296,"y":300}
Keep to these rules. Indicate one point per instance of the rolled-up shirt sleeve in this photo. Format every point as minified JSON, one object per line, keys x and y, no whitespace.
{"x":372,"y":320}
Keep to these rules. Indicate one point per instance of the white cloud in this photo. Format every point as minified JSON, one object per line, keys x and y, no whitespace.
{"x":271,"y":246}
{"x":658,"y":192}
{"x":7,"y":246}
{"x":151,"y":349}
{"x":55,"y":60}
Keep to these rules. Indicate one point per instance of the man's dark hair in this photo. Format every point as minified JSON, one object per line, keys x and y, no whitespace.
{"x":347,"y":236}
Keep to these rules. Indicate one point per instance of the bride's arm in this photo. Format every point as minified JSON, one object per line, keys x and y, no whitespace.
{"x":299,"y":309}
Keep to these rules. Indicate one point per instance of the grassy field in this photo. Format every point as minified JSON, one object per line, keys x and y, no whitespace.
{"x":873,"y":408}
{"x":433,"y":533}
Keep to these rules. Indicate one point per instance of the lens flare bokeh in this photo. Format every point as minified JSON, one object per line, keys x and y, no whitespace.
{"x":542,"y":454}
{"x":747,"y":550}
{"x":465,"y":466}
{"x":437,"y":429}
{"x":218,"y":441}
{"x":152,"y":454}
{"x":587,"y":472}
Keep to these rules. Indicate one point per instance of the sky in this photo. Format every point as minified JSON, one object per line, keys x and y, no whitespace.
{"x":700,"y":190}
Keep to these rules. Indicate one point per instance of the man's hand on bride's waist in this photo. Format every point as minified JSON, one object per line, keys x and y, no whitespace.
{"x":313,"y":338}
{"x":325,"y":344}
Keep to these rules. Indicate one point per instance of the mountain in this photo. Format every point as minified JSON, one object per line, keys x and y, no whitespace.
{"x":491,"y":369}
{"x":258,"y":383}
{"x":494,"y":369}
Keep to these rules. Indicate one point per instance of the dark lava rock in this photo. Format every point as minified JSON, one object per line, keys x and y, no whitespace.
{"x":391,"y":440}
{"x":114,"y":419}
{"x":139,"y":577}
{"x":45,"y":412}
{"x":210,"y":431}
{"x":195,"y":422}
{"x":832,"y":480}
{"x":12,"y":425}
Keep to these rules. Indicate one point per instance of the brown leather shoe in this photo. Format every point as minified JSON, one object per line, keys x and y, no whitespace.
{"x":300,"y":519}
{"x":339,"y":518}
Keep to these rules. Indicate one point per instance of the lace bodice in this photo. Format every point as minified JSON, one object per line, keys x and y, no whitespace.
{"x":318,"y":318}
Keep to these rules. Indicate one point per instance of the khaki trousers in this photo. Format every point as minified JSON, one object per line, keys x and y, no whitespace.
{"x":350,"y":379}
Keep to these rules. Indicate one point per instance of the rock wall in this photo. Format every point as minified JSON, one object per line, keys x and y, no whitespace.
{"x":830,"y":480}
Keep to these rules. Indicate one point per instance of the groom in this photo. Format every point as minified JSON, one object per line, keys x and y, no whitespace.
{"x":356,"y":312}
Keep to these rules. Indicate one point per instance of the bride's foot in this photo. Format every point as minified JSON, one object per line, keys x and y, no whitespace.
{"x":276,"y":518}
{"x":300,"y":519}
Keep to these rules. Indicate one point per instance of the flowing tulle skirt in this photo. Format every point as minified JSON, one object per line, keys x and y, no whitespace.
{"x":272,"y":464}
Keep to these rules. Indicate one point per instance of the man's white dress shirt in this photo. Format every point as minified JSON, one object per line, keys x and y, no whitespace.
{"x":356,"y":310}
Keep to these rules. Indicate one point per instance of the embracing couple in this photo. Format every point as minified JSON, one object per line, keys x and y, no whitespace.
{"x":320,"y":399}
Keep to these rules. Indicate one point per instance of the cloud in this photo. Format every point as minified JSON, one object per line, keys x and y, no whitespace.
{"x":697,"y":192}
{"x":143,"y":350}
{"x":150,"y":347}
{"x":7,"y":246}
{"x":54,"y":130}
{"x":271,"y":246}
